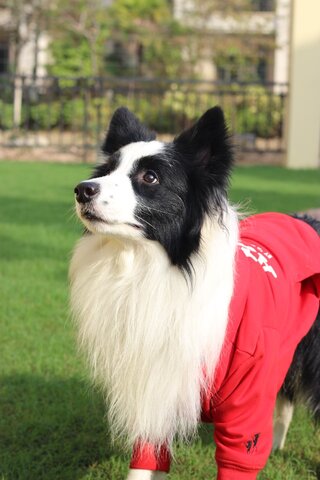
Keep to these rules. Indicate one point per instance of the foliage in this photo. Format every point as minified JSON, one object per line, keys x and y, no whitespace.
{"x":135,"y":37}
{"x":260,"y":112}
{"x":79,"y":30}
{"x":167,"y":109}
{"x":130,"y":15}
{"x":130,"y":37}
{"x":252,"y":109}
{"x":71,"y":57}
{"x":148,"y":36}
{"x":240,"y":62}
{"x":6,"y":115}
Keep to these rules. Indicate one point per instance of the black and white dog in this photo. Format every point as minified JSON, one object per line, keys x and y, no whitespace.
{"x":152,"y":284}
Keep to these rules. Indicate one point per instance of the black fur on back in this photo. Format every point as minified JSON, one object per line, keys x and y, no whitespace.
{"x":303,"y":378}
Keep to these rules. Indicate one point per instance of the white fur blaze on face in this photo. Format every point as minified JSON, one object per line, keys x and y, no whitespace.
{"x":134,"y":151}
{"x":116,"y":203}
{"x":148,"y":337}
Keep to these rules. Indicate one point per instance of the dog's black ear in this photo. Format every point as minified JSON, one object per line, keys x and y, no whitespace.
{"x":125,"y":128}
{"x":208,"y":142}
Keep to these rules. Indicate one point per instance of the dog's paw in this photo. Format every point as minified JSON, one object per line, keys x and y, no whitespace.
{"x":137,"y":474}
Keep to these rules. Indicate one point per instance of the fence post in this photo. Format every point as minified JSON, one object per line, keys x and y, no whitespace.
{"x":17,"y":100}
{"x":85,"y":118}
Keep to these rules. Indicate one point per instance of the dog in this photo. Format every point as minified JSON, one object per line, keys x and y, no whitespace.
{"x":185,"y":312}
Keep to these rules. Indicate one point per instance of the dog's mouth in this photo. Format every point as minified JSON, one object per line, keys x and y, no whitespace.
{"x":93,"y":217}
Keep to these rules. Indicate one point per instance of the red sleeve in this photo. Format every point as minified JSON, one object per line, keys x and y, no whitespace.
{"x":244,"y":417}
{"x":145,"y":457}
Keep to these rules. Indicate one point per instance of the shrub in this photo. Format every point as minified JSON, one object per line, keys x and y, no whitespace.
{"x":165,"y":108}
{"x":6,"y":115}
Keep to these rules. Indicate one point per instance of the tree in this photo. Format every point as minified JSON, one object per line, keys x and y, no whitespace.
{"x":26,"y":21}
{"x":150,"y":38}
{"x":127,"y":37}
{"x":79,"y":31}
{"x":154,"y":38}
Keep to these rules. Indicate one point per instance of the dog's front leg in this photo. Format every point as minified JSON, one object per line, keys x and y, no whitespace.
{"x":137,"y":474}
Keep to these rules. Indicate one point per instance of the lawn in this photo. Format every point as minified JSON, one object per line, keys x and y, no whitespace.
{"x":52,"y":423}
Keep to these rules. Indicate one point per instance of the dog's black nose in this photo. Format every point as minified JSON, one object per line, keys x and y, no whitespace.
{"x":86,"y":191}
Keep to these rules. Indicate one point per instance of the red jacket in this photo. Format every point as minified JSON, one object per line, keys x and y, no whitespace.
{"x":275,"y":302}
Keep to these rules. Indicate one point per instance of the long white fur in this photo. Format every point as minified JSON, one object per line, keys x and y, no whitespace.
{"x":148,"y":335}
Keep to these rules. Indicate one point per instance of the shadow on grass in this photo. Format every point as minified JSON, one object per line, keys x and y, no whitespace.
{"x":50,"y":429}
{"x":205,"y":433}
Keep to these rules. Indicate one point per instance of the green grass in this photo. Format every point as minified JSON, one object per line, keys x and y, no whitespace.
{"x":51,"y":422}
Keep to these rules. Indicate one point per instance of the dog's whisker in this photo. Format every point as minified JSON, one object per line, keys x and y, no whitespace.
{"x":143,"y":220}
{"x":157,"y":210}
{"x":71,"y":214}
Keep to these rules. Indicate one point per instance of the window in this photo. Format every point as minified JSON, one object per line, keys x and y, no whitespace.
{"x":232,"y":68}
{"x":4,"y":58}
{"x":263,"y":5}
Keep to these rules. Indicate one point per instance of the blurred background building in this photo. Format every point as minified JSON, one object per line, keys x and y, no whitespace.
{"x":248,"y":43}
{"x":245,"y":41}
{"x":24,"y":43}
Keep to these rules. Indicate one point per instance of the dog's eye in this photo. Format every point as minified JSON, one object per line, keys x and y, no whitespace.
{"x":150,"y":177}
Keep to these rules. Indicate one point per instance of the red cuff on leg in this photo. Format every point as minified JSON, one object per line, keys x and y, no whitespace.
{"x":145,"y":458}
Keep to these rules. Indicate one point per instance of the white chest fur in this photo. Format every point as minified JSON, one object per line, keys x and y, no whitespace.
{"x":147,"y":333}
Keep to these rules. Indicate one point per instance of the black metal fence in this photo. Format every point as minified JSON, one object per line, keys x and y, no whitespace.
{"x":71,"y":114}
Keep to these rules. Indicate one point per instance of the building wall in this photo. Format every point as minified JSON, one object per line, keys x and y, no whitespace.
{"x":34,"y":58}
{"x":33,"y":55}
{"x":273,"y":25}
{"x":304,"y":100}
{"x":282,"y":39}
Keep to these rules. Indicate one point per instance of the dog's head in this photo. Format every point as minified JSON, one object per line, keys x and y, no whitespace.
{"x":159,"y":191}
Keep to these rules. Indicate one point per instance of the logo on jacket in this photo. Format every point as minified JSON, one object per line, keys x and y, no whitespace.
{"x":252,"y":444}
{"x":258,"y":255}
